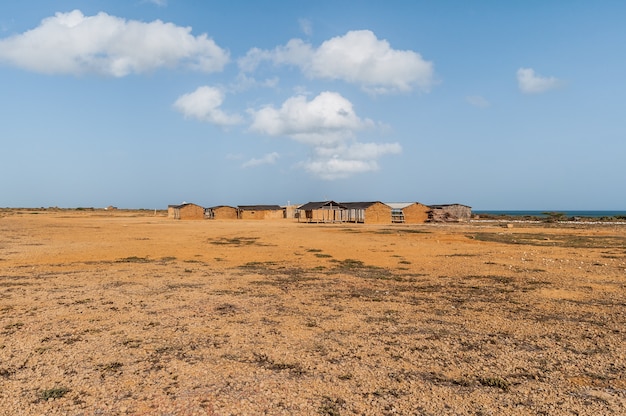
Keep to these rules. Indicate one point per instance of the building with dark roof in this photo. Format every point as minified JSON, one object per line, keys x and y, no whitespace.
{"x":185,"y":211}
{"x":374,"y":212}
{"x":322,"y":211}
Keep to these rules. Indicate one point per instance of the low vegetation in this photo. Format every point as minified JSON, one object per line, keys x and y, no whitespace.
{"x":377,"y":320}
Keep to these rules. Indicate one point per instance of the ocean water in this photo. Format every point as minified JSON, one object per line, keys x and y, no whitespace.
{"x":568,"y":214}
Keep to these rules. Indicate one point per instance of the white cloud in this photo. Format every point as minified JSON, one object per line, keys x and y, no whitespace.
{"x":358,"y":57}
{"x":268,"y":159}
{"x":531,"y":83}
{"x":477,"y":101}
{"x":327,"y":119}
{"x":71,"y":43}
{"x":337,"y":168}
{"x":204,"y":104}
{"x":328,"y":125}
{"x":345,"y":160}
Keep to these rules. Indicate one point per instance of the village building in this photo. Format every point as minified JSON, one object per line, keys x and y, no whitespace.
{"x":409,"y":212}
{"x":185,"y":211}
{"x":290,"y":211}
{"x":449,"y":213}
{"x":260,"y":212}
{"x":366,"y":212}
{"x":323,"y":211}
{"x":221,"y":212}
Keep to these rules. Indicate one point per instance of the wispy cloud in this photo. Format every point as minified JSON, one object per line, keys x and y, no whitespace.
{"x":357,"y":57}
{"x":72,"y":43}
{"x":244,"y":82}
{"x":328,"y":125}
{"x":306,"y":26}
{"x":160,"y":3}
{"x":477,"y":101}
{"x":531,"y":83}
{"x":268,"y":159}
{"x":204,"y":104}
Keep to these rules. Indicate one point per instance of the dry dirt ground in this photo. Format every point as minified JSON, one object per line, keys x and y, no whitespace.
{"x":131,"y":313}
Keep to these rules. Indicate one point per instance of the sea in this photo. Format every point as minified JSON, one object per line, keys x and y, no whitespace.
{"x":568,"y":214}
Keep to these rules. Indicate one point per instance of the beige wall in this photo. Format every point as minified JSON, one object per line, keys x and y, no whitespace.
{"x":189,"y":212}
{"x":261,"y":214}
{"x":378,"y":213}
{"x":225,"y":213}
{"x":415,"y":213}
{"x":321,"y":215}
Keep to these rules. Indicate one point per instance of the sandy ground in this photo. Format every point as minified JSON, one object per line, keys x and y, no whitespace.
{"x":116,"y":313}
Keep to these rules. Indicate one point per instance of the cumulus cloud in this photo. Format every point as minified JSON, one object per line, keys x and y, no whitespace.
{"x":531,"y":83}
{"x":345,"y":160}
{"x":328,"y":125}
{"x":268,"y":159}
{"x":204,"y":104}
{"x":327,"y":119}
{"x":357,"y":57}
{"x":337,"y":168}
{"x":72,"y":43}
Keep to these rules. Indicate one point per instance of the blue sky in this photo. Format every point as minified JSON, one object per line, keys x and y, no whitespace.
{"x":141,"y":104}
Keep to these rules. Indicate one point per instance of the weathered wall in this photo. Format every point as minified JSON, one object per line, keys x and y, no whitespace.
{"x":415,"y":213}
{"x":261,"y":214}
{"x":454,"y":212}
{"x":224,"y":213}
{"x":191,"y":212}
{"x":378,"y":213}
{"x":322,"y":215}
{"x":274,"y":215}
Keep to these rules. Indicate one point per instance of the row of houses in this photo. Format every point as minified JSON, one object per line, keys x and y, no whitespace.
{"x":189,"y":211}
{"x":375,"y":212}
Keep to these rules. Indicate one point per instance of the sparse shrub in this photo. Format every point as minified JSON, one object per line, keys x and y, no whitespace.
{"x":494,"y":382}
{"x":133,"y":259}
{"x":54,"y":393}
{"x":330,"y":406}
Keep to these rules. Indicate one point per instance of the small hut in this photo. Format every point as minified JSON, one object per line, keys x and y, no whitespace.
{"x":449,"y":213}
{"x":221,"y":212}
{"x":323,"y":211}
{"x":260,"y":212}
{"x":409,"y":212}
{"x":290,"y":211}
{"x":366,"y":212}
{"x":185,"y":211}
